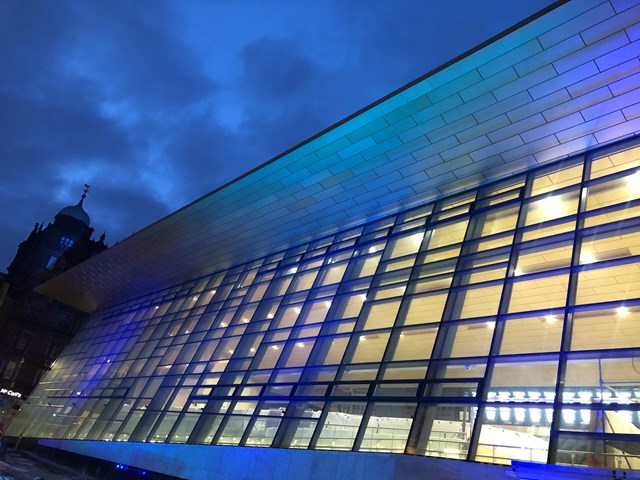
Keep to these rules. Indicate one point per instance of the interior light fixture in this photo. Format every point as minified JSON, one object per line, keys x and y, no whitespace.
{"x":517,"y":272}
{"x":372,"y":250}
{"x":490,"y":413}
{"x":634,"y":180}
{"x":622,"y":311}
{"x":585,"y":416}
{"x":551,"y":205}
{"x":585,"y":396}
{"x":569,"y":416}
{"x":535,"y":414}
{"x":491,"y":325}
{"x":550,"y":318}
{"x":586,"y":258}
{"x":505,"y":414}
{"x":417,"y":237}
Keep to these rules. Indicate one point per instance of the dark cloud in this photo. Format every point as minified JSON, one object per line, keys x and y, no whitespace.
{"x":155,"y":103}
{"x":124,"y":210}
{"x":274,"y":70}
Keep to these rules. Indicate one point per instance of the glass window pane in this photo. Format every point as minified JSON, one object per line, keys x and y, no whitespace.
{"x":540,"y":373}
{"x":379,"y":315}
{"x":414,"y":344}
{"x":233,"y":430}
{"x":621,"y":213}
{"x":612,"y":328}
{"x":404,"y":245}
{"x":532,"y":334}
{"x":618,"y":420}
{"x":483,"y":274}
{"x":370,"y":347}
{"x":440,"y":254}
{"x":449,"y":432}
{"x":333,"y":274}
{"x":363,"y":266}
{"x":558,"y":177}
{"x":388,"y":427}
{"x":615,"y":163}
{"x":513,"y":433}
{"x":495,"y":242}
{"x":329,"y":350}
{"x":304,"y":281}
{"x":551,"y":207}
{"x":301,"y":421}
{"x":468,"y":340}
{"x":341,"y":425}
{"x":165,"y":427}
{"x":425,"y":309}
{"x":608,"y":284}
{"x":545,"y":257}
{"x":268,"y":355}
{"x":495,"y":221}
{"x":477,"y":302}
{"x":610,"y":246}
{"x":597,"y":374}
{"x":263,"y":431}
{"x":592,"y":452}
{"x":299,"y":353}
{"x":405,"y":371}
{"x":615,"y":191}
{"x":303,"y":432}
{"x":347,"y":306}
{"x":546,"y":231}
{"x":539,"y":293}
{"x":447,"y":234}
{"x":406,"y":389}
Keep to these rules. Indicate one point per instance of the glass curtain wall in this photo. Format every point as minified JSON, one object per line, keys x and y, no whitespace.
{"x":500,"y":324}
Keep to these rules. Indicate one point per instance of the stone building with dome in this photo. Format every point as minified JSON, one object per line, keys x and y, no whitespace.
{"x":34,"y":328}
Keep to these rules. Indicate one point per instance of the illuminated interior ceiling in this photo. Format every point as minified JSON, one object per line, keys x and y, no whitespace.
{"x":551,"y":87}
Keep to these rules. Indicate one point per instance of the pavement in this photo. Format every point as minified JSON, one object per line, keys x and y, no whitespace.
{"x":23,"y":465}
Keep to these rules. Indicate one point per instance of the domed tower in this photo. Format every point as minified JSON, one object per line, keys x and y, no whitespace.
{"x":35,"y":328}
{"x":45,"y":245}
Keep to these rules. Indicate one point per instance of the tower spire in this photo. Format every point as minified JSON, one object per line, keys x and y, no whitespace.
{"x":84,"y":192}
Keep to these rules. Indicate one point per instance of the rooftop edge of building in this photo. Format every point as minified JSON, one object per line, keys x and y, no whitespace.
{"x":555,"y":85}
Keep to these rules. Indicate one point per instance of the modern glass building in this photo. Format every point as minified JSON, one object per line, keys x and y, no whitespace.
{"x":453,"y":272}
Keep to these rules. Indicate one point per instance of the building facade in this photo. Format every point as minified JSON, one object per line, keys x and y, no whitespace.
{"x":35,"y":328}
{"x":452,"y":272}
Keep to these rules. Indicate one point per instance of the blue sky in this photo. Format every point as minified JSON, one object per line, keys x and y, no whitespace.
{"x":156,"y":103}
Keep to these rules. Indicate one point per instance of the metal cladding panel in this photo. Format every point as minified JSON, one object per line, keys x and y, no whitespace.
{"x":555,"y":86}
